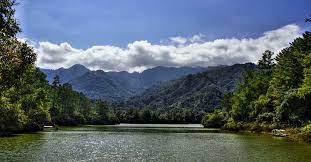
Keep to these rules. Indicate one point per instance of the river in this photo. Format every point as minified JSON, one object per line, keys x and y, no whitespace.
{"x":151,"y":142}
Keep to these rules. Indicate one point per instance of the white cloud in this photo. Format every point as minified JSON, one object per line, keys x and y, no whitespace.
{"x":140,"y":55}
{"x":197,"y":38}
{"x":178,"y":40}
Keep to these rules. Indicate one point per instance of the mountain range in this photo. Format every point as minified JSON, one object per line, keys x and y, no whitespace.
{"x":162,"y":88}
{"x":200,"y":92}
{"x":116,"y":86}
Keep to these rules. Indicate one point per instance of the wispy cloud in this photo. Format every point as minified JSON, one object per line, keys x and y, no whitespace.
{"x":178,"y":51}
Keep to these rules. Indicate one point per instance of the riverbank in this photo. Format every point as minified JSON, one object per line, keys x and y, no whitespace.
{"x":302,"y":134}
{"x":296,"y":134}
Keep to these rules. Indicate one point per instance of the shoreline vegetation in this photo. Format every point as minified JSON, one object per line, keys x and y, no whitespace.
{"x":274,"y":95}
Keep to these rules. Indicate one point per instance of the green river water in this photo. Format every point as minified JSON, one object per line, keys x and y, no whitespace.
{"x":149,"y":142}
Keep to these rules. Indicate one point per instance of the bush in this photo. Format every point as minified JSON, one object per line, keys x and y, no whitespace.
{"x":259,"y":127}
{"x":233,"y":125}
{"x":265,"y":117}
{"x":306,"y":129}
{"x":214,"y":120}
{"x":306,"y":133}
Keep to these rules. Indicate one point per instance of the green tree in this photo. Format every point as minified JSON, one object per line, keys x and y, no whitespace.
{"x":253,"y":87}
{"x":266,"y":61}
{"x":145,"y":115}
{"x":306,"y":85}
{"x":24,"y":99}
{"x":8,"y":24}
{"x":290,"y":73}
{"x":214,"y":120}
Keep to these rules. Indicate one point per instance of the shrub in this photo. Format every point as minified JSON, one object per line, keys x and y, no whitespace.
{"x":233,"y":125}
{"x":265,"y":117}
{"x":214,"y":120}
{"x":306,"y":129}
{"x":306,"y":133}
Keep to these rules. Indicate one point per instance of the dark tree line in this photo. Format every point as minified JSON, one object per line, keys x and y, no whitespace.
{"x":147,"y":115}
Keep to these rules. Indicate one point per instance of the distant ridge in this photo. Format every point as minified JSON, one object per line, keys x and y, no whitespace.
{"x":116,"y":86}
{"x":65,"y":74}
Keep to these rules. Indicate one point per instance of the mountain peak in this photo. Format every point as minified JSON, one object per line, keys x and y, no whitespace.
{"x":79,"y":67}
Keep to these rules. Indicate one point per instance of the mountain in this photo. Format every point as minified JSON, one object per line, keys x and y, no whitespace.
{"x":65,"y":74}
{"x":200,"y":92}
{"x":101,"y":85}
{"x":117,"y":86}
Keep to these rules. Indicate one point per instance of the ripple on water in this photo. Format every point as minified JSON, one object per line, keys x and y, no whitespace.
{"x":144,"y":142}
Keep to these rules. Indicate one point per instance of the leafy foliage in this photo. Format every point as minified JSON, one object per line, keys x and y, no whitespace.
{"x":23,"y":97}
{"x":27,"y":101}
{"x":274,"y":95}
{"x":215,"y":119}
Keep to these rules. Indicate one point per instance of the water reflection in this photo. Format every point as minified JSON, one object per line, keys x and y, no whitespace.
{"x":17,"y":146}
{"x":159,"y":143}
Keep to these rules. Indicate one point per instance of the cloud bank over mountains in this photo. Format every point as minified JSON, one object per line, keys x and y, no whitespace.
{"x":176,"y":51}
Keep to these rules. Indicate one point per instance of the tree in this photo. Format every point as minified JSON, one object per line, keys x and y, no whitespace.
{"x":34,"y":99}
{"x":288,"y":73}
{"x":102,"y":111}
{"x":306,"y":85}
{"x":214,"y":120}
{"x":246,"y":103}
{"x":23,"y":97}
{"x":8,"y":24}
{"x":56,"y":81}
{"x":15,"y":57}
{"x":145,"y":115}
{"x":266,"y":61}
{"x":291,"y":73}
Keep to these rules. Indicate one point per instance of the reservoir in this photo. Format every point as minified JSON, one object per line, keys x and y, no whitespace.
{"x":151,"y":142}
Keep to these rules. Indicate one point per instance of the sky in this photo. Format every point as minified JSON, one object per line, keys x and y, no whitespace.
{"x":133,"y":35}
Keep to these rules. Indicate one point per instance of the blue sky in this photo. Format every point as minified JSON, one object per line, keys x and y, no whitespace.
{"x":134,"y":35}
{"x":85,"y":23}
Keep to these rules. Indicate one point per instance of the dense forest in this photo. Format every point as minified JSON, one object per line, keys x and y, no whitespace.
{"x":27,"y":101}
{"x":277,"y":94}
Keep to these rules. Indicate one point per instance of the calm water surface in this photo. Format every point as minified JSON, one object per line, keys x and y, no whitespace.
{"x":149,"y":142}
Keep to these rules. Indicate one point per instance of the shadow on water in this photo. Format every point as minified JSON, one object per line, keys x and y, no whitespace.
{"x":15,"y":147}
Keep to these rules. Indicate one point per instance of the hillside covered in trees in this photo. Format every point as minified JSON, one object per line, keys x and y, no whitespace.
{"x":275,"y":95}
{"x":185,"y":100}
{"x":116,"y":86}
{"x":200,"y":92}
